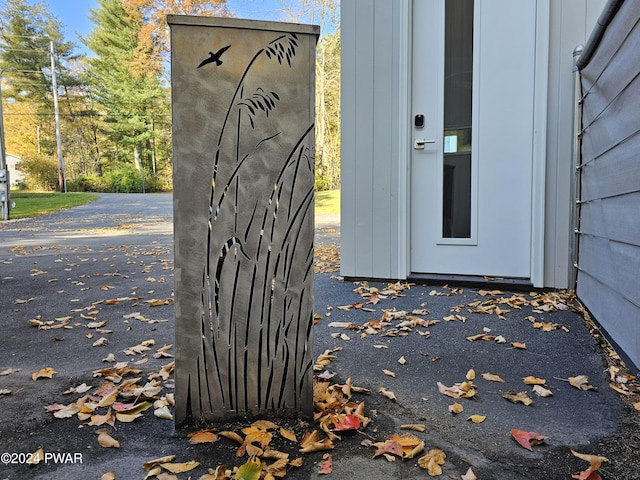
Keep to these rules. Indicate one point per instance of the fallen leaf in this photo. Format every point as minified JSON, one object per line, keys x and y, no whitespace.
{"x":388,"y":393}
{"x":36,"y":457}
{"x":344,"y":422}
{"x":471,"y":374}
{"x":46,"y":372}
{"x":581,"y":382}
{"x":541,"y":391}
{"x":288,"y":434}
{"x":163,"y":413}
{"x":531,"y":380}
{"x":433,"y":461}
{"x":107,"y":441}
{"x":101,"y":342}
{"x":518,"y":345}
{"x":231,"y":436}
{"x":469,"y":475}
{"x":326,"y":466}
{"x":491,"y":377}
{"x":402,"y":361}
{"x":389,"y":373}
{"x":477,"y":418}
{"x":459,"y":390}
{"x":311,"y":443}
{"x":9,"y":371}
{"x":388,"y":447}
{"x":83,"y":388}
{"x":595,"y":462}
{"x":180,"y":467}
{"x":527,"y":439}
{"x":418,"y":427}
{"x":152,"y":463}
{"x":456,"y":408}
{"x":519,"y":397}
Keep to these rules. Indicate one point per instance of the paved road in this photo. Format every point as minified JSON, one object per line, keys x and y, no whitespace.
{"x":111,"y":262}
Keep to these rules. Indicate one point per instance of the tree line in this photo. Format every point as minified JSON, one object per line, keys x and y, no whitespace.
{"x":114,"y":114}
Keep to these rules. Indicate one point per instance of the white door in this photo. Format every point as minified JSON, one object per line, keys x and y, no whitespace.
{"x":473,"y":91}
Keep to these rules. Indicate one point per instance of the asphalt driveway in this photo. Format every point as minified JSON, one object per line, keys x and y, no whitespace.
{"x":84,"y":289}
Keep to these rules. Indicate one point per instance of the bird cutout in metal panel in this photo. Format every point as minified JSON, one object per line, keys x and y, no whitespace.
{"x":214,"y":57}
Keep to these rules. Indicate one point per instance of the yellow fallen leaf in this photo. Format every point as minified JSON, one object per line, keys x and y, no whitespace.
{"x":36,"y":457}
{"x":202,"y":436}
{"x":531,"y":380}
{"x":288,"y":434}
{"x":311,"y":443}
{"x":152,"y":463}
{"x":127,"y":417}
{"x":108,"y":476}
{"x":232,"y":436}
{"x":107,"y":441}
{"x":456,"y":408}
{"x":389,"y":373}
{"x":46,"y":372}
{"x":418,"y":427}
{"x":432,"y":462}
{"x":109,"y":399}
{"x":477,"y":418}
{"x":471,"y":374}
{"x":180,"y":467}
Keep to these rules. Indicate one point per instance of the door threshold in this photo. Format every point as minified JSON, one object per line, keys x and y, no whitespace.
{"x":472,"y":280}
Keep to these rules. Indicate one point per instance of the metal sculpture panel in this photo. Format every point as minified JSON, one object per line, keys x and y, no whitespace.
{"x":243,"y":139}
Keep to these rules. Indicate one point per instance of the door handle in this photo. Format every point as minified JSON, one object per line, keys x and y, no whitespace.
{"x":419,"y":143}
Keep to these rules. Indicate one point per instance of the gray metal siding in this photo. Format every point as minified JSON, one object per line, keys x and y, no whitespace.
{"x":609,"y":238}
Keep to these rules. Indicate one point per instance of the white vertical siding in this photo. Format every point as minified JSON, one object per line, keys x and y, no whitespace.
{"x":609,"y":240}
{"x":374,"y":99}
{"x":571,"y":22}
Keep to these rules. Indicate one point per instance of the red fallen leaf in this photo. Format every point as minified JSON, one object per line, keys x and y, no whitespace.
{"x":345,"y":422}
{"x":527,"y":439}
{"x":326,"y":467}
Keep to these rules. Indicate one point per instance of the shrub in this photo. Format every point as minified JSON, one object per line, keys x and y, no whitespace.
{"x":40,"y":172}
{"x":125,"y":179}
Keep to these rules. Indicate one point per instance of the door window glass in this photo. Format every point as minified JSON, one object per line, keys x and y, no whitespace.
{"x":458,"y":88}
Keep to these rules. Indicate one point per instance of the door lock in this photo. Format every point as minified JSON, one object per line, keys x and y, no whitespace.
{"x":419,"y":143}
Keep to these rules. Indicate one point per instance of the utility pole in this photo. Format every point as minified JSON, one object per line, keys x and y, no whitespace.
{"x":54,"y":85}
{"x":5,"y":185}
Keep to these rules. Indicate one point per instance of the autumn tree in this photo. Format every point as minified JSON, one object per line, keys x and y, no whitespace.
{"x":124,"y":78}
{"x":325,"y":14}
{"x":27,"y":32}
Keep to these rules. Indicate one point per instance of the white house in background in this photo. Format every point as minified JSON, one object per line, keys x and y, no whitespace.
{"x":15,"y":175}
{"x":457,"y":136}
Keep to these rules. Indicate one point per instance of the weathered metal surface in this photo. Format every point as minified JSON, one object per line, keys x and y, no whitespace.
{"x":243,"y":139}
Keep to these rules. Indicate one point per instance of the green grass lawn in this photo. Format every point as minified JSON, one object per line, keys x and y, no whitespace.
{"x":32,"y":204}
{"x":328,"y":201}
